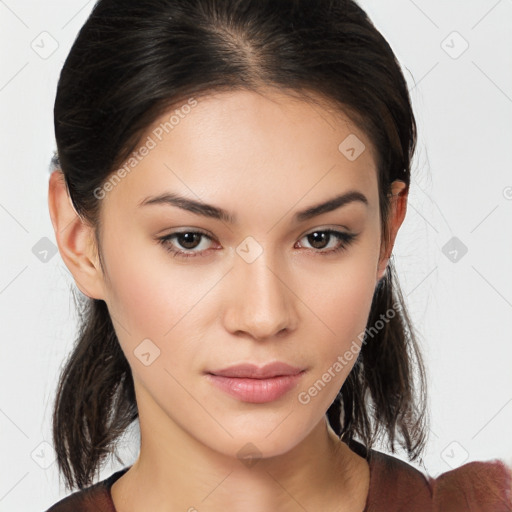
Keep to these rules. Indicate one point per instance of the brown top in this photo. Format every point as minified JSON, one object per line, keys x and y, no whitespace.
{"x":395,"y":486}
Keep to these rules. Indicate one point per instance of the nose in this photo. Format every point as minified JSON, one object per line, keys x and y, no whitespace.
{"x":262,"y":303}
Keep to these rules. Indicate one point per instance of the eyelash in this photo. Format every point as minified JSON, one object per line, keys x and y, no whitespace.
{"x":345,"y":240}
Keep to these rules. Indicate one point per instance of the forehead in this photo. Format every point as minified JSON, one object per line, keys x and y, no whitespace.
{"x":250,"y":148}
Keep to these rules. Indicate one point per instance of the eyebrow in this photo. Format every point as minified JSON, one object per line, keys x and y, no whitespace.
{"x":215,"y":212}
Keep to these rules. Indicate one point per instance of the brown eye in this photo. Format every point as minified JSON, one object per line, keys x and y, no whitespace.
{"x":186,"y":240}
{"x":189,"y":240}
{"x":320,"y":239}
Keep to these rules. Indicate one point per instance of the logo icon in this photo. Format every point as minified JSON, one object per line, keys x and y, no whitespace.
{"x":43,"y":455}
{"x":454,"y":454}
{"x":45,"y":45}
{"x":147,"y":352}
{"x":352,"y":147}
{"x":44,"y":250}
{"x":249,"y":250}
{"x":454,"y":249}
{"x":454,"y":45}
{"x":249,"y":455}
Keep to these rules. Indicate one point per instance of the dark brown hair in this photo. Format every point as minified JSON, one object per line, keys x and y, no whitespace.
{"x":132,"y":61}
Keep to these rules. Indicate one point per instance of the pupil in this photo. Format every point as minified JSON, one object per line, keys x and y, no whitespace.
{"x":189,"y":239}
{"x":321,"y":238}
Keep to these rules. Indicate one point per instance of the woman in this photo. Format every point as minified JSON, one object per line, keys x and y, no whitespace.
{"x":230,"y":180}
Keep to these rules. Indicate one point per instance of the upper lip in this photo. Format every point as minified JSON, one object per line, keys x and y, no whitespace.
{"x":253,"y":371}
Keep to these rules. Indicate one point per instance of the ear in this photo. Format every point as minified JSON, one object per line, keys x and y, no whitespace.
{"x":398,"y":207}
{"x":75,"y":239}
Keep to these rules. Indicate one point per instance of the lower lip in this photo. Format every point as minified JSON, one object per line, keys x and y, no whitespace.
{"x":256,"y":390}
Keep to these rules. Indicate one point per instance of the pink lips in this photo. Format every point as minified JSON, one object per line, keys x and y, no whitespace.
{"x":251,"y":383}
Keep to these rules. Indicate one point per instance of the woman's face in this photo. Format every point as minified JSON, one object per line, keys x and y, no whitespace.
{"x":268,"y":284}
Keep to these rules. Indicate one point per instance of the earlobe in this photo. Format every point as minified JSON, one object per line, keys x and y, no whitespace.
{"x":383,"y":265}
{"x":397,"y":210}
{"x":75,"y":239}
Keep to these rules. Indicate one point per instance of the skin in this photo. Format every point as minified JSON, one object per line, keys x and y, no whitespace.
{"x":262,"y":158}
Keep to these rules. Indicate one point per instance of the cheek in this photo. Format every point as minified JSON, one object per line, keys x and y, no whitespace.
{"x":147,"y":292}
{"x":148,"y":296}
{"x":155,"y":314}
{"x":342,"y":303}
{"x":151,"y":297}
{"x":344,"y":294}
{"x":347,"y":302}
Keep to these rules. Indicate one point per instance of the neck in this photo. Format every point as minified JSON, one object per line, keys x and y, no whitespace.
{"x":319,"y":473}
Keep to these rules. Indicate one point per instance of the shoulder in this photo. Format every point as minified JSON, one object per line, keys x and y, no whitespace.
{"x":95,"y":498}
{"x":477,"y":486}
{"x":397,"y":486}
{"x":482,"y":486}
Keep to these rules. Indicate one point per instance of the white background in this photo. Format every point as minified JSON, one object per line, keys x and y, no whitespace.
{"x":461,"y":187}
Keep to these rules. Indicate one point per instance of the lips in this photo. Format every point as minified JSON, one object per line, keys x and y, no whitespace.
{"x":250,"y":383}
{"x":252,"y":371}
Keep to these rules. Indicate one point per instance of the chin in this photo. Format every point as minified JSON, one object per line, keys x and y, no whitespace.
{"x":263,"y":443}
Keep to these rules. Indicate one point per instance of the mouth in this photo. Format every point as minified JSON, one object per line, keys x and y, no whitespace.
{"x":250,"y":383}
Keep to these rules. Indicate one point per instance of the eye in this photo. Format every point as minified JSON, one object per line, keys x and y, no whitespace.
{"x":318,"y":239}
{"x":188,"y":240}
{"x":191,"y":240}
